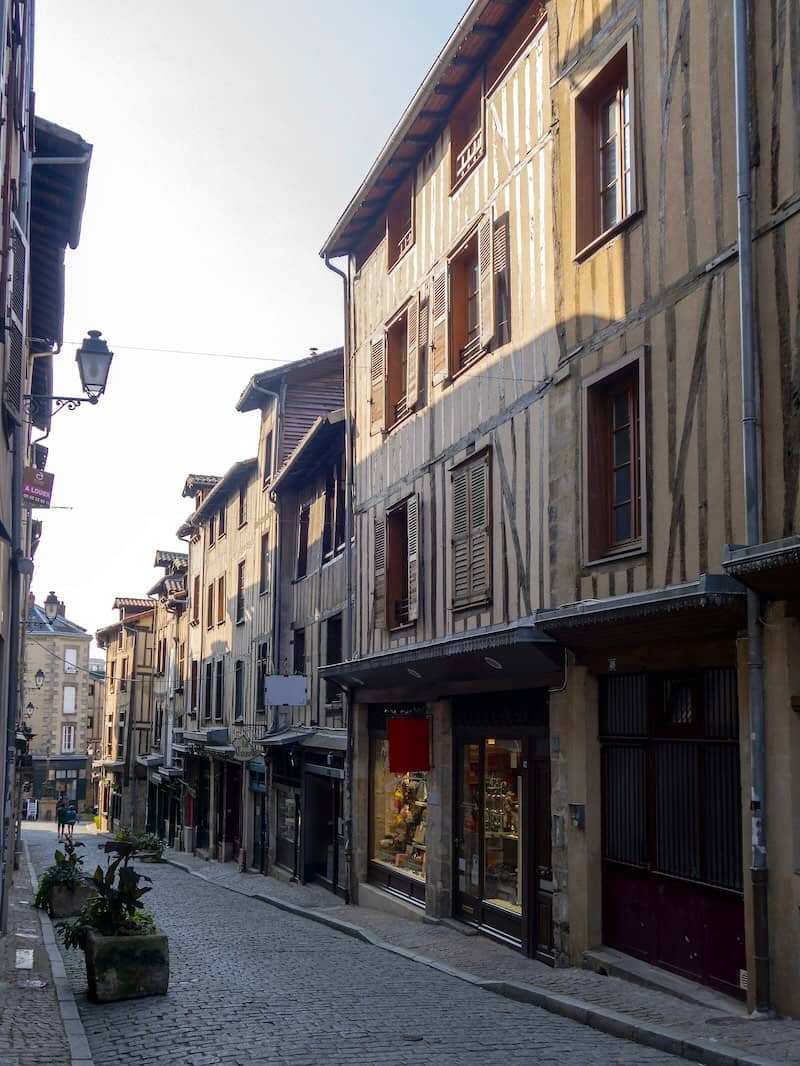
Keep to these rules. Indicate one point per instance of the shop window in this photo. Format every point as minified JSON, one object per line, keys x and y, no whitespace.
{"x":399,"y":811}
{"x":262,"y":669}
{"x":219,"y":686}
{"x":238,"y":691}
{"x":220,"y":600}
{"x":69,"y":699}
{"x":613,"y":507}
{"x":471,"y":532}
{"x":263,"y":568}
{"x":304,"y":519}
{"x":467,"y":136}
{"x":242,"y":505}
{"x":400,"y":222}
{"x":240,"y":593}
{"x":605,"y":182}
{"x":70,"y":660}
{"x":397,"y":565}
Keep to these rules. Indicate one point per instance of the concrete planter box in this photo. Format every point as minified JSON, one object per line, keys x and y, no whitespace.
{"x":126,"y":967}
{"x":64,"y":902}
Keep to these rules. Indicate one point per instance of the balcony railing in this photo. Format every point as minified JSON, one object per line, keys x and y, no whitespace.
{"x":468,"y":156}
{"x":405,"y":243}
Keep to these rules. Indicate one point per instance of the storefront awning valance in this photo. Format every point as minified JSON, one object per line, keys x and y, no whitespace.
{"x":711,"y":606}
{"x":771,"y":569}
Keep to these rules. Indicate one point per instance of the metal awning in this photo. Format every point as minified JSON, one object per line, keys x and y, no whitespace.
{"x":284,"y":738}
{"x":213,"y":735}
{"x":326,"y":740}
{"x":115,"y":767}
{"x":772,"y":569}
{"x":711,"y":606}
{"x":220,"y":749}
{"x":150,"y":760}
{"x":170,"y":771}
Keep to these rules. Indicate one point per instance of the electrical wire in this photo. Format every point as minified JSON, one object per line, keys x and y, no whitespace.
{"x":76,"y":669}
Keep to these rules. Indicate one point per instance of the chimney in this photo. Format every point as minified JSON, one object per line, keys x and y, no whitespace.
{"x":31,"y":600}
{"x":61,"y":609}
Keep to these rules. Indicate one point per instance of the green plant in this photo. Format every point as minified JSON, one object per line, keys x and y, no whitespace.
{"x":66,"y":872}
{"x":115,"y":907}
{"x":125,"y":835}
{"x":150,"y":842}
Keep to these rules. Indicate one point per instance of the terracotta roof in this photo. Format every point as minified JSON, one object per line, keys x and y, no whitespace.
{"x":195,"y":482}
{"x":166,"y":558}
{"x":132,"y":601}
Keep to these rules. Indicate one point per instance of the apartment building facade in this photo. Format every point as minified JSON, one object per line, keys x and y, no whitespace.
{"x":550,"y":682}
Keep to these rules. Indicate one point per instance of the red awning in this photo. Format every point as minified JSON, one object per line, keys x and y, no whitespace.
{"x":409,"y":749}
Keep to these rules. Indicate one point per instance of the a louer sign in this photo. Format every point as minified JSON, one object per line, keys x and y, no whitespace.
{"x":37,"y":487}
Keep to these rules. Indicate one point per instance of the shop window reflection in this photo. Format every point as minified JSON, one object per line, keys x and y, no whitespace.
{"x":502,"y":829}
{"x":399,"y":815}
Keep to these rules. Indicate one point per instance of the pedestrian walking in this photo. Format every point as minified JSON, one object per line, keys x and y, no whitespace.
{"x":71,"y":820}
{"x":61,"y":816}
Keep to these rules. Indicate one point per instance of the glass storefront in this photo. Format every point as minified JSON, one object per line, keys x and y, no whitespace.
{"x":399,"y":812}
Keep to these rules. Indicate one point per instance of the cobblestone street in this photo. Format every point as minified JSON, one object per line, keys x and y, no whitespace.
{"x":253,"y":984}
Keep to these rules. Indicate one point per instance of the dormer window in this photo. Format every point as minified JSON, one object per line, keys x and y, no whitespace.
{"x":467,"y":135}
{"x":400,"y":222}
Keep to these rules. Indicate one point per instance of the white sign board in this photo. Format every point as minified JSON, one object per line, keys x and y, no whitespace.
{"x":283,"y":691}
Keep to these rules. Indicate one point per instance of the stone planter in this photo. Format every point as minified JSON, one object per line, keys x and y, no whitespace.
{"x":126,"y":967}
{"x":64,"y":902}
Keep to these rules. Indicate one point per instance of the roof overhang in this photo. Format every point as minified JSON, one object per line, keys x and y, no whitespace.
{"x":239,"y":474}
{"x":262,"y":387}
{"x":520,"y":655}
{"x":320,"y":446}
{"x":771,"y":569}
{"x":713,"y":605}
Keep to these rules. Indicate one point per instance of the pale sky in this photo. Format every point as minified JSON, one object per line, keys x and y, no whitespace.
{"x":228,"y":138}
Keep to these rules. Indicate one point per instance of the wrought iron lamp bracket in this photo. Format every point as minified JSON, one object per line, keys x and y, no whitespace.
{"x":37,"y":405}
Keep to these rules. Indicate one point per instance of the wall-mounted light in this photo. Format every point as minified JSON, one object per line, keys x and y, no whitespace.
{"x":38,"y":677}
{"x":94,"y":362}
{"x":51,"y":608}
{"x":29,"y":710}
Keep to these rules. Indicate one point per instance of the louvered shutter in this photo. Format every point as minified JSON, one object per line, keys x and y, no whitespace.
{"x":379,"y":592}
{"x":480,"y":557}
{"x":377,"y":383}
{"x":502,"y":310}
{"x":486,"y":280}
{"x":440,"y":365}
{"x":412,"y":528}
{"x":460,"y":539}
{"x":17,"y":302}
{"x":412,"y":353}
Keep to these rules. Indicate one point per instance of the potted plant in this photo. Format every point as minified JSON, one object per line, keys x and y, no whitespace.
{"x":149,"y":846}
{"x":63,"y":887}
{"x":126,"y":955}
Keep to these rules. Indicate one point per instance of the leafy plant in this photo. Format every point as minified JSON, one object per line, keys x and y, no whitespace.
{"x":66,"y":872}
{"x":150,"y":842}
{"x":115,"y":907}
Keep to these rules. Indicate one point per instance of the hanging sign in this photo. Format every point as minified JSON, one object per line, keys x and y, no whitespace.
{"x":409,"y":749}
{"x":37,"y":487}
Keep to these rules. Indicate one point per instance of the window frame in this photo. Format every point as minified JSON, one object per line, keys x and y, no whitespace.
{"x":599,"y":547}
{"x":196,"y":600}
{"x":221,"y":601}
{"x":240,"y":592}
{"x":219,"y":690}
{"x":401,"y":567}
{"x":222,"y":521}
{"x":210,"y":602}
{"x":70,"y":660}
{"x":68,"y":729}
{"x":74,"y":690}
{"x":262,"y":668}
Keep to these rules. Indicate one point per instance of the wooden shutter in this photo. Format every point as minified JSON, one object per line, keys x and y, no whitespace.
{"x":502,"y":309}
{"x":486,"y":280}
{"x":16,"y":307}
{"x":440,"y":364}
{"x":412,"y":353}
{"x":460,"y":538}
{"x":379,"y":592}
{"x":378,"y":382}
{"x":480,"y":556}
{"x":412,"y":527}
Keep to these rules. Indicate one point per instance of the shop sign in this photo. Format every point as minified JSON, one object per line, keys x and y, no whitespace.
{"x":37,"y":487}
{"x":409,"y":747}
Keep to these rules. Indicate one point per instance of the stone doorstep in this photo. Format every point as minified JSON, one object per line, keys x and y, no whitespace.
{"x":612,"y":963}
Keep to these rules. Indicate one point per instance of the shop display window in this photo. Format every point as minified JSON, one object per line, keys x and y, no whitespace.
{"x":399,"y":810}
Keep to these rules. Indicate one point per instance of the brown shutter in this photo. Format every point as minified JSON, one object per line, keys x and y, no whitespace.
{"x":412,"y":527}
{"x":440,"y":364}
{"x":486,"y":280}
{"x":502,"y":310}
{"x":460,"y":538}
{"x":412,"y":353}
{"x":16,"y":307}
{"x":377,"y":382}
{"x":380,"y":573}
{"x":480,"y":545}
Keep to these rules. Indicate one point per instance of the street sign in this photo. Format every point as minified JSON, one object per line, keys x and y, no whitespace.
{"x":37,"y":487}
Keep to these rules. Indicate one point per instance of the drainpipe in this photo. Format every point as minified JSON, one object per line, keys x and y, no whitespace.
{"x":347,"y":642}
{"x":752,"y":489}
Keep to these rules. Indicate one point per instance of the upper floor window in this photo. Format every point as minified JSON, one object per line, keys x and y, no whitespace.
{"x":181,"y":666}
{"x":302,"y":541}
{"x":268,"y":458}
{"x":220,"y":600}
{"x":333,"y":528}
{"x":212,"y":525}
{"x":396,"y":565}
{"x":605,"y":185}
{"x":242,"y":504}
{"x":467,"y":136}
{"x":299,"y":651}
{"x":471,"y":532}
{"x":240,"y":593}
{"x":333,"y":654}
{"x":210,"y":605}
{"x":70,"y":660}
{"x":208,"y":694}
{"x":111,"y":670}
{"x":262,"y":669}
{"x":67,"y":739}
{"x":238,"y":691}
{"x":196,"y":600}
{"x":263,"y":565}
{"x":221,"y":516}
{"x":194,"y":686}
{"x":614,"y":461}
{"x":400,"y":222}
{"x":69,"y":699}
{"x":219,"y":698}
{"x":394,"y":362}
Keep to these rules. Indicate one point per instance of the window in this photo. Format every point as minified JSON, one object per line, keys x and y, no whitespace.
{"x":123,"y":676}
{"x":299,"y":651}
{"x":219,"y":696}
{"x":400,"y":222}
{"x":604,"y":151}
{"x":471,"y":532}
{"x":70,"y":660}
{"x":211,"y":529}
{"x":268,"y":458}
{"x":242,"y":504}
{"x":302,"y":541}
{"x":69,"y":699}
{"x":397,"y":565}
{"x":67,"y":739}
{"x":91,"y":688}
{"x":238,"y":691}
{"x":181,"y":667}
{"x":220,"y":600}
{"x":208,"y":695}
{"x":613,"y":461}
{"x":394,"y":370}
{"x":466,"y":132}
{"x":240,"y":593}
{"x":263,"y":567}
{"x":333,"y":528}
{"x":196,"y":600}
{"x":210,"y":606}
{"x":333,"y":654}
{"x":221,"y":522}
{"x":262,"y":669}
{"x":112,"y":667}
{"x":194,"y":686}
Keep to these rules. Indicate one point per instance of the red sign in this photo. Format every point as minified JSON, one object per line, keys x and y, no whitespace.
{"x":408,"y":745}
{"x":37,"y":487}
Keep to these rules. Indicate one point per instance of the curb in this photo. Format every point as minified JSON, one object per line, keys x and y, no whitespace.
{"x":80,"y":1052}
{"x":661,"y":1038}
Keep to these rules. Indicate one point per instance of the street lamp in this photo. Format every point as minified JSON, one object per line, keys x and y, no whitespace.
{"x":50,"y":612}
{"x":38,"y":677}
{"x":94,"y":361}
{"x":29,"y":710}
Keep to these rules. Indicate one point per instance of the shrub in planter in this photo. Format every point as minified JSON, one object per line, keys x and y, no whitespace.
{"x":149,"y":846}
{"x":126,"y":955}
{"x":63,"y":887}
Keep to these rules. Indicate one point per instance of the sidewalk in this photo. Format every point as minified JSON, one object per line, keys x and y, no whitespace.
{"x":715,"y":1031}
